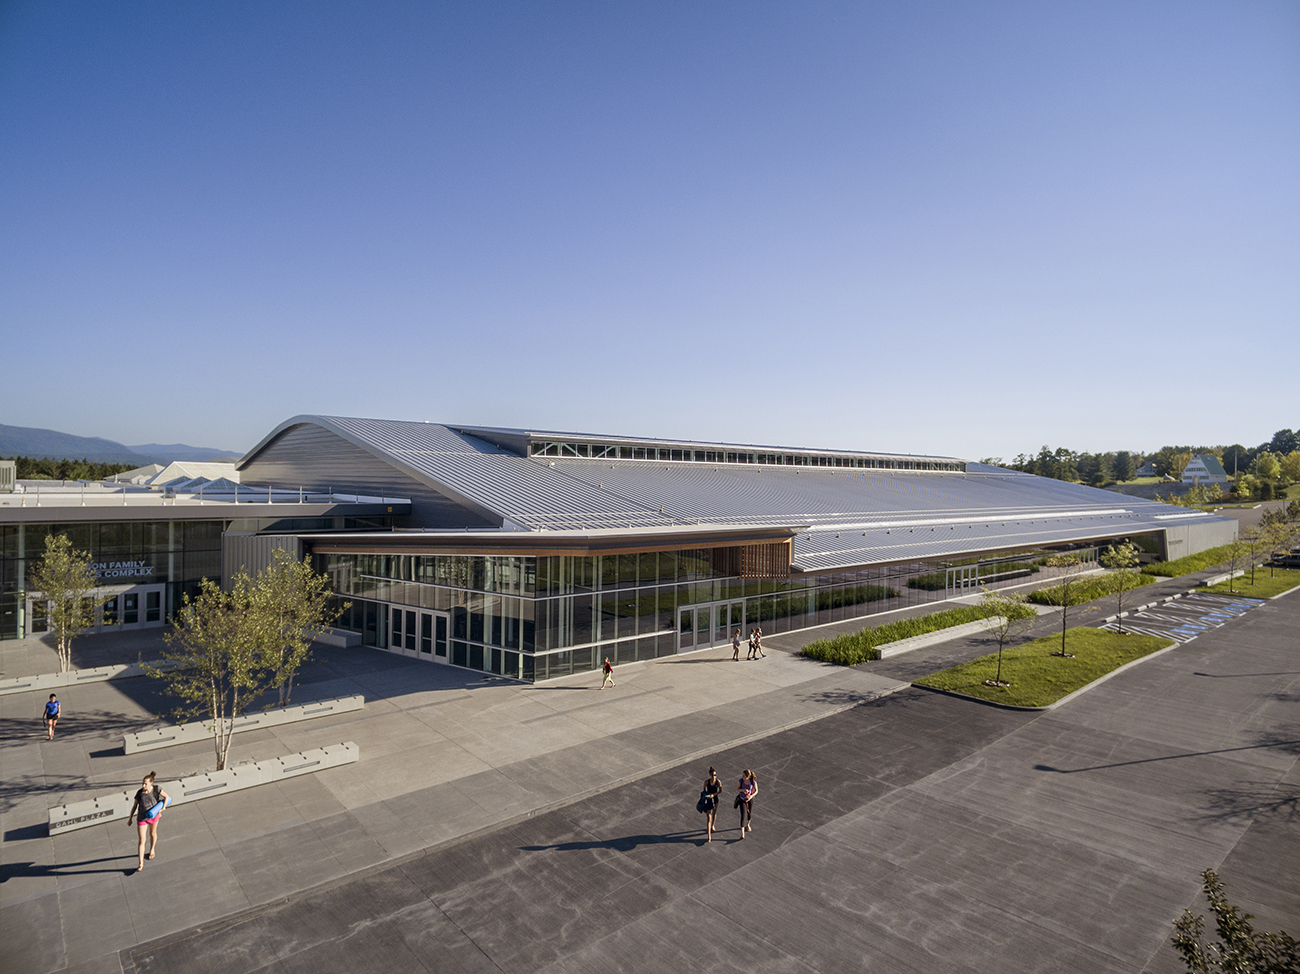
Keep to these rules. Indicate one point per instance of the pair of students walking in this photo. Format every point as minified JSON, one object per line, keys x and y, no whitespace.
{"x":711,"y":797}
{"x":755,"y":644}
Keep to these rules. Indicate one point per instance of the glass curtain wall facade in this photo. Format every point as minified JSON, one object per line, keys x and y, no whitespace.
{"x":175,"y":553}
{"x":536,"y":618}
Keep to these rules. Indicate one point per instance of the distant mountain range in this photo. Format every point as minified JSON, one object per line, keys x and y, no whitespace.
{"x":24,"y":441}
{"x":182,"y":451}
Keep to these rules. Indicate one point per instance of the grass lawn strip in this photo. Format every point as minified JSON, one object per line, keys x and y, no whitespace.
{"x":1038,"y":678}
{"x":1096,"y":587}
{"x":1188,"y":564}
{"x":1264,"y":587}
{"x":858,"y":647}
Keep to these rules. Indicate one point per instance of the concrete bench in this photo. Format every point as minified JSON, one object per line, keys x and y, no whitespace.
{"x":938,"y":636}
{"x":115,"y":807}
{"x":97,"y":674}
{"x":160,"y":737}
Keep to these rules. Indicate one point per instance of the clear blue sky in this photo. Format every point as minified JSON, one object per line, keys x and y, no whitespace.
{"x":959,"y":228}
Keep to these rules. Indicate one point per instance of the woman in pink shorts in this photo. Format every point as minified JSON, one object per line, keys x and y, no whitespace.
{"x":150,"y":800}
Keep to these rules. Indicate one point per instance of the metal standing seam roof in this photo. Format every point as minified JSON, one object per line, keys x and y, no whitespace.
{"x":857,"y":516}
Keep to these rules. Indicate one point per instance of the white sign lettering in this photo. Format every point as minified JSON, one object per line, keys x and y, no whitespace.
{"x":122,"y":569}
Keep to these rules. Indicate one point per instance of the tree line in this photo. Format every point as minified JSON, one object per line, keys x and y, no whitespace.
{"x":43,"y":468}
{"x":1273,"y":461}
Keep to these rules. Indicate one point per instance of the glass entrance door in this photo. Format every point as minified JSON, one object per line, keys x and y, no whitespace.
{"x":418,"y":633}
{"x":404,"y":634}
{"x":433,"y":636}
{"x":702,"y":626}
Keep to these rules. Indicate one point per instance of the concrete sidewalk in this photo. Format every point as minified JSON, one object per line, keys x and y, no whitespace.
{"x":915,"y":833}
{"x":444,"y":755}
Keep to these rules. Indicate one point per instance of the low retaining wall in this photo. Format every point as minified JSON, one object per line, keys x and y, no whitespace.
{"x":98,"y":674}
{"x":343,"y":638}
{"x":887,"y":650}
{"x":114,"y":807}
{"x":160,"y":737}
{"x":1216,"y":579}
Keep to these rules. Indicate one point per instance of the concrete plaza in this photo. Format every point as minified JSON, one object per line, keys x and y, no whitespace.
{"x":499,"y":827}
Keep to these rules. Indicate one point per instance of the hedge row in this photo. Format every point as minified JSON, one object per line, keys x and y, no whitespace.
{"x":1087,"y":589}
{"x":1189,"y":564}
{"x":853,"y":648}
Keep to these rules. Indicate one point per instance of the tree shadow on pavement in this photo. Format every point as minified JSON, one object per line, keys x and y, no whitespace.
{"x":1252,"y":799}
{"x":15,"y":789}
{"x":78,"y":724}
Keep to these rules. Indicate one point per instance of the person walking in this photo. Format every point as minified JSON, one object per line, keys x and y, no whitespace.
{"x":150,"y":800}
{"x":735,"y":646}
{"x":51,"y":715}
{"x":608,"y":670}
{"x":758,"y":643}
{"x":709,"y":798}
{"x":751,"y":646}
{"x":745,"y":794}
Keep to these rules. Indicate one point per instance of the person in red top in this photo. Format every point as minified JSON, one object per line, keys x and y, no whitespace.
{"x":608,"y":670}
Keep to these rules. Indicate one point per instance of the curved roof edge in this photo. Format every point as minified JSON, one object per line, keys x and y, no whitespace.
{"x":325,"y":423}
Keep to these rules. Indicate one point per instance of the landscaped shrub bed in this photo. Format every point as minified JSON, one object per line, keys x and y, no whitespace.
{"x":1037,"y":677}
{"x":1189,"y":564}
{"x":1087,"y":589}
{"x":859,"y":647}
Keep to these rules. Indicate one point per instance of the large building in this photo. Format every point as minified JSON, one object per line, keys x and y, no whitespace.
{"x":533,"y":555}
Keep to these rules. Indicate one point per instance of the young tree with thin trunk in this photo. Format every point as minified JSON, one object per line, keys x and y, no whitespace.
{"x":1009,"y":617}
{"x":294,"y":601}
{"x":1239,"y":950}
{"x":1073,"y":570}
{"x":1237,"y":550}
{"x":1254,"y":538}
{"x":65,"y":579}
{"x":218,"y":651}
{"x":1122,"y":560}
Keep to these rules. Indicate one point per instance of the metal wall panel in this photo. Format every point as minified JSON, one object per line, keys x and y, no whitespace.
{"x":310,"y":456}
{"x":250,"y":553}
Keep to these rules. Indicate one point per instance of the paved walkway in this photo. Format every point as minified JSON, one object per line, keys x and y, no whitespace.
{"x":914,"y":833}
{"x":444,"y":757}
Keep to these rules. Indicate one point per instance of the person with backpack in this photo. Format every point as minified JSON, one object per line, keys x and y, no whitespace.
{"x":150,"y":800}
{"x":51,"y":715}
{"x":708,"y":803}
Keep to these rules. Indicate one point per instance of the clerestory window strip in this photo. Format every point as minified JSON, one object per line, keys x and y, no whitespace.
{"x":609,"y":451}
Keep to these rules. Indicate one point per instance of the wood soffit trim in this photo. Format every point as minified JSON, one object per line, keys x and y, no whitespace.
{"x":580,"y":549}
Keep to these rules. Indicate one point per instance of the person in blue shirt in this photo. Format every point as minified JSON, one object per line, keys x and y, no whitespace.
{"x":51,"y":716}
